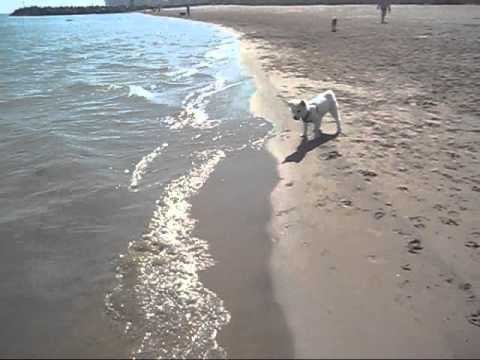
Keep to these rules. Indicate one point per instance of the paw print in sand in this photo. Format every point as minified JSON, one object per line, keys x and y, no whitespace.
{"x":474,"y":318}
{"x":414,"y":246}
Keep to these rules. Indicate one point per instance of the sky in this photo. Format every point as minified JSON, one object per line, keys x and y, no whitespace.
{"x":7,"y":6}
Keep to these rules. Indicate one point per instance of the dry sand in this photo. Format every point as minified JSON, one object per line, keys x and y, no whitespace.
{"x":375,"y":233}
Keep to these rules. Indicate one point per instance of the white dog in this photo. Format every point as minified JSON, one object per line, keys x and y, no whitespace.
{"x":314,"y":110}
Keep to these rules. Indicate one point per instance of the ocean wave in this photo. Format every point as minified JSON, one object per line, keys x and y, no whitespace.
{"x":222,"y":51}
{"x":174,"y":83}
{"x":113,"y":87}
{"x":168,"y":96}
{"x":88,"y":86}
{"x":141,"y":166}
{"x":160,"y":297}
{"x":180,"y":74}
{"x":195,"y":105}
{"x":136,"y":90}
{"x":169,"y":121}
{"x":138,"y":67}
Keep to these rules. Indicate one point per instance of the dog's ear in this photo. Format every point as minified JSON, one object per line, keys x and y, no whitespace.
{"x":290,"y":105}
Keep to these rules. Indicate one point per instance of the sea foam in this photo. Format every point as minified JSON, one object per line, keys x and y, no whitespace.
{"x":136,"y":90}
{"x":141,"y":166}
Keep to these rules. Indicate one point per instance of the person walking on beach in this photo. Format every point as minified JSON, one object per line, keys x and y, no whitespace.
{"x":384,"y":6}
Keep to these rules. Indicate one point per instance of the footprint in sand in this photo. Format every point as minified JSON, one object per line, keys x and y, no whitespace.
{"x":346,"y":202}
{"x":472,"y":244}
{"x":465,"y":286}
{"x":414,"y":246}
{"x":406,"y":267}
{"x":368,"y":174}
{"x":439,"y":207}
{"x":321,"y":202}
{"x":449,"y":221}
{"x":474,"y":318}
{"x":332,"y":155}
{"x":379,"y":214}
{"x":418,"y":221}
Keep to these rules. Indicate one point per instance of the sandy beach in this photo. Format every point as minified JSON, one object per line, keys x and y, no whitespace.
{"x":373,"y":238}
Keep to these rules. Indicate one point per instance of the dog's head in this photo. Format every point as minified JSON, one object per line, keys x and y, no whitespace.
{"x":298,"y":109}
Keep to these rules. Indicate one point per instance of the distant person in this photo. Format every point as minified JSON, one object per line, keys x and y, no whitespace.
{"x":384,"y":6}
{"x":188,"y":10}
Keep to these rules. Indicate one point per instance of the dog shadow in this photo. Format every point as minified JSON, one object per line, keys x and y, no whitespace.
{"x":306,"y":146}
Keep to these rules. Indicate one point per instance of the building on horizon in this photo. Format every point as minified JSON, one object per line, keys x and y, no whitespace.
{"x":154,"y":2}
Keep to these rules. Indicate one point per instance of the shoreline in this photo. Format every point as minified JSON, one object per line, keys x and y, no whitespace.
{"x":232,"y":212}
{"x":371,"y":228}
{"x":240,"y":243}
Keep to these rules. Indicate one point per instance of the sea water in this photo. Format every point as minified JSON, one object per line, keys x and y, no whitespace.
{"x":109,"y":124}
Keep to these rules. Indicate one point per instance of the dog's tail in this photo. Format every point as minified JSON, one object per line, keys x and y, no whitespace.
{"x":330,"y":95}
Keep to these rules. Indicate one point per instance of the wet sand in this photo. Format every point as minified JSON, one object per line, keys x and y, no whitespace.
{"x":232,"y":209}
{"x":375,"y":241}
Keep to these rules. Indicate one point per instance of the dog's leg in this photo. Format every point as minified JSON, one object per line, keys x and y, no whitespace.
{"x":305,"y":127}
{"x":317,"y":125}
{"x":334,"y":112}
